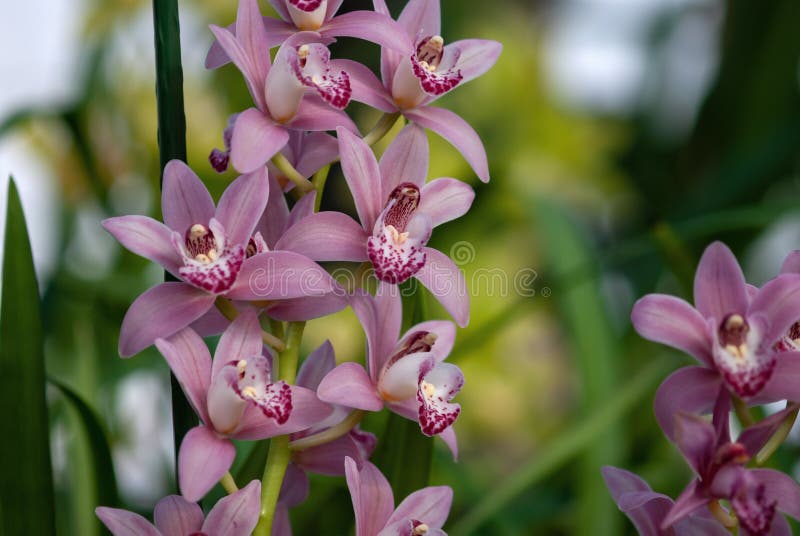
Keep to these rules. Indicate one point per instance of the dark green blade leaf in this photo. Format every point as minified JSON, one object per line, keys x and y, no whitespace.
{"x":104,"y":479}
{"x":26,"y":486}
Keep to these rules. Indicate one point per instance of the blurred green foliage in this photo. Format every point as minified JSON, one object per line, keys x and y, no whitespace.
{"x":593,"y":209}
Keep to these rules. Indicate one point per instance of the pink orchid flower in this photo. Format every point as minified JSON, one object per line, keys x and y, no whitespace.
{"x":319,"y":16}
{"x":732,"y":330}
{"x":235,"y":398}
{"x":234,"y":515}
{"x":281,"y":91}
{"x":647,"y":509}
{"x":422,"y":72}
{"x":755,"y":495}
{"x":211,"y":251}
{"x":406,"y":374}
{"x":421,"y":513}
{"x":398,"y":211}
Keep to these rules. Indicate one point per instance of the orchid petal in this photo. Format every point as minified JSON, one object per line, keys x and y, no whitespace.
{"x":475,"y":56}
{"x":242,"y":204}
{"x":791,"y":264}
{"x":280,"y":275}
{"x":326,"y":236}
{"x":349,"y":385}
{"x":688,"y":390}
{"x":371,"y":26}
{"x":328,"y":459}
{"x":456,"y":131}
{"x":252,"y":36}
{"x":362,"y":174}
{"x":315,"y":114}
{"x":421,"y":17}
{"x":308,"y":308}
{"x":242,"y":340}
{"x":695,"y":439}
{"x":147,"y":238}
{"x":779,"y":302}
{"x":672,"y":321}
{"x":184,"y":198}
{"x":690,"y":500}
{"x":175,"y":516}
{"x":379,"y":343}
{"x":275,"y":219}
{"x":372,"y":497}
{"x":365,"y":86}
{"x":255,"y":140}
{"x":781,"y":488}
{"x":125,"y":523}
{"x":236,"y":514}
{"x":719,"y":287}
{"x":234,"y":50}
{"x":302,"y":209}
{"x":446,"y":282}
{"x":754,"y":437}
{"x":318,"y":363}
{"x":445,"y":199}
{"x":281,"y":9}
{"x":406,"y":159}
{"x":448,"y":435}
{"x":307,"y":410}
{"x":188,"y":357}
{"x":429,"y":505}
{"x":203,"y":448}
{"x":159,"y":312}
{"x":318,"y":150}
{"x":277,"y":30}
{"x":388,"y":319}
{"x":445,"y":332}
{"x":785,"y":381}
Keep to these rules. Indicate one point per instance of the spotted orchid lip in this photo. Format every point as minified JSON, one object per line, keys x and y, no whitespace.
{"x":745,"y":366}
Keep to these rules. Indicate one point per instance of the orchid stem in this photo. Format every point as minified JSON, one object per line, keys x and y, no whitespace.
{"x":289,"y":171}
{"x":721,"y":515}
{"x":228,"y":484}
{"x":318,"y":180}
{"x":229,"y":311}
{"x":331,"y":434}
{"x":381,"y":128}
{"x":279,"y":453}
{"x":777,"y":438}
{"x":742,"y":411}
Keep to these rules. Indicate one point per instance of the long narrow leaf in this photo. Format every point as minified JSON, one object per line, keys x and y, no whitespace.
{"x":104,"y":477}
{"x":26,"y":486}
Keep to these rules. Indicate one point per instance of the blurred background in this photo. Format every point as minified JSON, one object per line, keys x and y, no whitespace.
{"x":623,"y":136}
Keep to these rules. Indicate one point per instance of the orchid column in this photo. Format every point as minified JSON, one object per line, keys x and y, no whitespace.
{"x":246,"y":267}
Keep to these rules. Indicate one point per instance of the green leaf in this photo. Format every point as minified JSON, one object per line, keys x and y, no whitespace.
{"x":26,"y":486}
{"x":103,"y":467}
{"x":595,"y":353}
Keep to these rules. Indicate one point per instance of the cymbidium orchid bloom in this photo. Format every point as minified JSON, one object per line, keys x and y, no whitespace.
{"x":234,"y":515}
{"x":320,"y":16}
{"x":235,"y":398}
{"x":398,"y":210}
{"x":424,"y":71}
{"x":211,"y":251}
{"x":406,"y":374}
{"x":647,"y":509}
{"x":755,"y":495}
{"x":420,"y":514}
{"x":300,"y":91}
{"x":732,"y":330}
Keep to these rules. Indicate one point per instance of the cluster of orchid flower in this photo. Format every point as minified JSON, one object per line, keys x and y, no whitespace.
{"x":747,"y":340}
{"x":250,"y":261}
